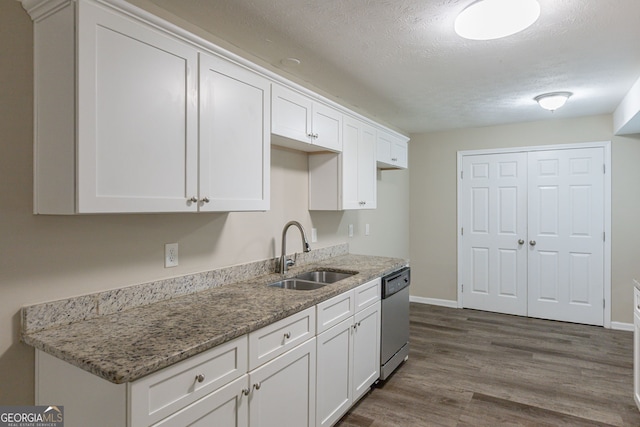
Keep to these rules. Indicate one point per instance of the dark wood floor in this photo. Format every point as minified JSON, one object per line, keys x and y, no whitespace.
{"x":472,"y":368}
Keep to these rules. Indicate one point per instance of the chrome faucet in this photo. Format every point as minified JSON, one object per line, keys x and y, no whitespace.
{"x":285,"y":262}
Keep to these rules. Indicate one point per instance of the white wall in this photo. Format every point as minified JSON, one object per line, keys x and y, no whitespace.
{"x":51,"y":257}
{"x":433,"y":210}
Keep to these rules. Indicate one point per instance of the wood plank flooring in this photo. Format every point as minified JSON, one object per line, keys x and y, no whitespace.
{"x":472,"y":368}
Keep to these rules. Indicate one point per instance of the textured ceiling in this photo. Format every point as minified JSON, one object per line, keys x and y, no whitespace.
{"x":401,"y":62}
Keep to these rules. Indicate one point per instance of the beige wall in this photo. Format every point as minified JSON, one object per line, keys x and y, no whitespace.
{"x":50,"y":257}
{"x":433,"y":199}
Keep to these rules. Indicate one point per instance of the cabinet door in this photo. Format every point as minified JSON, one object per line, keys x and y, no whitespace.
{"x":291,"y":114}
{"x":226,"y":407}
{"x":400,"y":154}
{"x":234,"y":137}
{"x":349,"y":163}
{"x":333,"y":392}
{"x":391,"y":151}
{"x":367,"y":184}
{"x":283,"y":391}
{"x":327,"y":127}
{"x":136,"y":115}
{"x":383,"y":148}
{"x":366,"y":350}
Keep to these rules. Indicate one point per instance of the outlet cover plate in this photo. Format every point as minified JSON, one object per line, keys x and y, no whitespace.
{"x":170,"y":255}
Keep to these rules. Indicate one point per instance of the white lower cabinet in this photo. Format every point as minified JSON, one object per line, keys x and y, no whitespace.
{"x":280,"y":375}
{"x":348,"y":354}
{"x":227,"y":407}
{"x":283,"y":391}
{"x":334,"y":367}
{"x":366,"y":349}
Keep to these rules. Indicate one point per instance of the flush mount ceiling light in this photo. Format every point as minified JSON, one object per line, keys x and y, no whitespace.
{"x":552,"y":101}
{"x":493,"y":19}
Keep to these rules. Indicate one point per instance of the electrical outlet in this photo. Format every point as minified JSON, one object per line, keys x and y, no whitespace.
{"x":314,"y":235}
{"x":350,"y":230}
{"x":170,"y":255}
{"x":366,"y":229}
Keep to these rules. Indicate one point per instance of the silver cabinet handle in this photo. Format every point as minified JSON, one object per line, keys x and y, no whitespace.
{"x":200,"y":378}
{"x":194,"y":199}
{"x":257,"y":386}
{"x":394,"y":159}
{"x":287,"y":335}
{"x":206,"y":200}
{"x":246,"y":391}
{"x":521,"y":242}
{"x":532,"y":242}
{"x":315,"y":135}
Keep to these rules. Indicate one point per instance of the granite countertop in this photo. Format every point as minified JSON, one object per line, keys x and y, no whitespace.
{"x":128,"y":345}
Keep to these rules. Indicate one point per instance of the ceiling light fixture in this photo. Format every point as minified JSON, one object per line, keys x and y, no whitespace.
{"x":553,"y":100}
{"x":494,"y":19}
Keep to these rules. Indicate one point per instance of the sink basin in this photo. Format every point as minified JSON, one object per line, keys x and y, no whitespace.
{"x":322,"y":276}
{"x":298,"y":284}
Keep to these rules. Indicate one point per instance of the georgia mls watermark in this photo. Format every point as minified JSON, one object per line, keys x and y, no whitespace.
{"x":31,"y":416}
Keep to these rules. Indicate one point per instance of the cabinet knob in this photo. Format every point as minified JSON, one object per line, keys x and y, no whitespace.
{"x":246,"y":391}
{"x":205,"y":200}
{"x":200,"y":378}
{"x":287,"y":335}
{"x":394,"y":159}
{"x":257,"y":386}
{"x":194,"y":199}
{"x":532,"y":242}
{"x":521,"y":242}
{"x":315,"y":135}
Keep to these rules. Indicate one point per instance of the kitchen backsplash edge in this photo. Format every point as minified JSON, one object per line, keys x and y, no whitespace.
{"x":70,"y":310}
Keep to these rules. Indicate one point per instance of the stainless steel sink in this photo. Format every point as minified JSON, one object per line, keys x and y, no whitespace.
{"x":323,"y":276}
{"x":297,"y":284}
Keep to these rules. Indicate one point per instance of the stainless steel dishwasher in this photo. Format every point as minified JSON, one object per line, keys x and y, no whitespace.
{"x":394,"y":340}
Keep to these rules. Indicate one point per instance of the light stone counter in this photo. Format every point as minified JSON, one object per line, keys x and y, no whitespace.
{"x":125,"y":345}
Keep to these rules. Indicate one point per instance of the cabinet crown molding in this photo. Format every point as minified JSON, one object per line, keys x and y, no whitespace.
{"x":38,"y":9}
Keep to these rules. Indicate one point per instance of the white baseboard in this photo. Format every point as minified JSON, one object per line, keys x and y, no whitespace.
{"x":434,"y":301}
{"x":620,"y":326}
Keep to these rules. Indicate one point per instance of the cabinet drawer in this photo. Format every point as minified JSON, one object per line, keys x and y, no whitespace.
{"x":227,"y":407}
{"x":160,"y":394}
{"x":335,"y":310}
{"x":367,"y":294}
{"x":636,"y":300}
{"x":275,"y":339}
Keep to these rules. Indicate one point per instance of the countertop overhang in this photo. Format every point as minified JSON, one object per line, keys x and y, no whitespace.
{"x":128,"y":345}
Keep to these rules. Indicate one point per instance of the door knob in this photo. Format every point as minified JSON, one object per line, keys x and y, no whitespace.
{"x":532,"y":242}
{"x":521,"y":242}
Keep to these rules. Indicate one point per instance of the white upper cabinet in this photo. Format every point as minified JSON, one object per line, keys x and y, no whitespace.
{"x":305,"y":124}
{"x":347,"y":180}
{"x":121,"y":134}
{"x":134,"y":114}
{"x":234,"y":137}
{"x":125,"y":134}
{"x":391,"y":151}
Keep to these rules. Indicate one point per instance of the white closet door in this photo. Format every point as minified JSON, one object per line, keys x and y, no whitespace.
{"x":566,"y":228}
{"x":494,"y":218}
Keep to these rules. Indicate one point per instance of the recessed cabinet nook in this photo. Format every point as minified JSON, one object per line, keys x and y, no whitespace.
{"x":134,"y":114}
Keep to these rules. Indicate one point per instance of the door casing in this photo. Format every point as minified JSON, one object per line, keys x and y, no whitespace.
{"x":606,"y":145}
